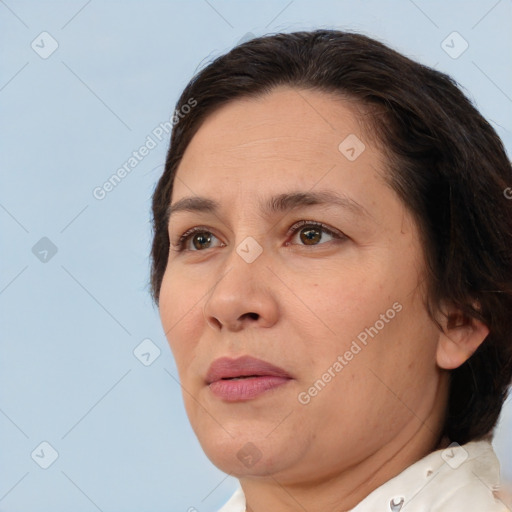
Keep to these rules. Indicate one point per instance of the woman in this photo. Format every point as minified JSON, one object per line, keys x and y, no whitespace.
{"x":332,"y":264}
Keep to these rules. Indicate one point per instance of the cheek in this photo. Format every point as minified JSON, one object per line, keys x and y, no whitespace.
{"x":180,"y":310}
{"x":373,"y":310}
{"x":346,"y":301}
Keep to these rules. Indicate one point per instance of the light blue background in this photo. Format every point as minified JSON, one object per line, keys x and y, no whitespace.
{"x":69,"y":326}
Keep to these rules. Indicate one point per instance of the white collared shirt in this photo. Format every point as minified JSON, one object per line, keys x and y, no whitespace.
{"x":457,"y":479}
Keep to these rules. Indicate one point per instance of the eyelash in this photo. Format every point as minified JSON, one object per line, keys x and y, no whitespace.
{"x":179,"y":246}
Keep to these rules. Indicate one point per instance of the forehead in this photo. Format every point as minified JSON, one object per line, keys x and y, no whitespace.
{"x":286,"y":139}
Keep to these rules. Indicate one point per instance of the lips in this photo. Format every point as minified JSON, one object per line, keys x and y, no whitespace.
{"x":225,"y":368}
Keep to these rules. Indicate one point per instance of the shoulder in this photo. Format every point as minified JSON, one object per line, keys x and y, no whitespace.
{"x":471,"y":479}
{"x":456,"y":479}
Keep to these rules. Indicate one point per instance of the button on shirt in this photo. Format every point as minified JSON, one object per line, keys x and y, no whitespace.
{"x":456,"y":479}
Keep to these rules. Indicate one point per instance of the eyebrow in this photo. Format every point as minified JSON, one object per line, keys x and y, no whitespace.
{"x":277,"y":204}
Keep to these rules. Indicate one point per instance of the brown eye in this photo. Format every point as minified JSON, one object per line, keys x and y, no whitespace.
{"x":201,"y":240}
{"x":197,"y":239}
{"x":310,"y":235}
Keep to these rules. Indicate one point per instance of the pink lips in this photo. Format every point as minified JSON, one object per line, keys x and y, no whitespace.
{"x":243,"y":378}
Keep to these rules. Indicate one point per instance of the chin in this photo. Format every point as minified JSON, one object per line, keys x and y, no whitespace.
{"x":243,"y":454}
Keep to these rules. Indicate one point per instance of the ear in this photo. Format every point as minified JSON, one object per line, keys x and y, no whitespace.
{"x":460,"y":337}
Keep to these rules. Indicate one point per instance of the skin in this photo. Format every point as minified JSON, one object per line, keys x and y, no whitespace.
{"x":300,"y":306}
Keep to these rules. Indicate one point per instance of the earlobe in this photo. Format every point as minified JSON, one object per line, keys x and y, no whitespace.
{"x":459,"y":339}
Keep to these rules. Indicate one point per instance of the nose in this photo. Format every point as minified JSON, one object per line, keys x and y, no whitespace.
{"x":242,"y":297}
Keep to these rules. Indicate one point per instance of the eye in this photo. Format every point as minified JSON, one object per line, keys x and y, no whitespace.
{"x":196,"y":239}
{"x":308,"y":233}
{"x":313,"y":233}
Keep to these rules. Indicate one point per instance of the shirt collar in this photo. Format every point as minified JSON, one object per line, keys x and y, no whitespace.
{"x":456,"y":478}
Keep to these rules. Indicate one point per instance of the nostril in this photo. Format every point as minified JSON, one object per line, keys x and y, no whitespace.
{"x":215,"y":323}
{"x":252,"y":316}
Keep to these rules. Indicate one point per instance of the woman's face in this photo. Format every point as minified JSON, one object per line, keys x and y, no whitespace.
{"x":305,"y":259}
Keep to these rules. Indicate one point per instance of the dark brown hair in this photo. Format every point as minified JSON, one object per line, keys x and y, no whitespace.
{"x":444,"y":160}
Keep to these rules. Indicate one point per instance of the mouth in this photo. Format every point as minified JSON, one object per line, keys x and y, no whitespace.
{"x":244,"y":367}
{"x":245,"y":378}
